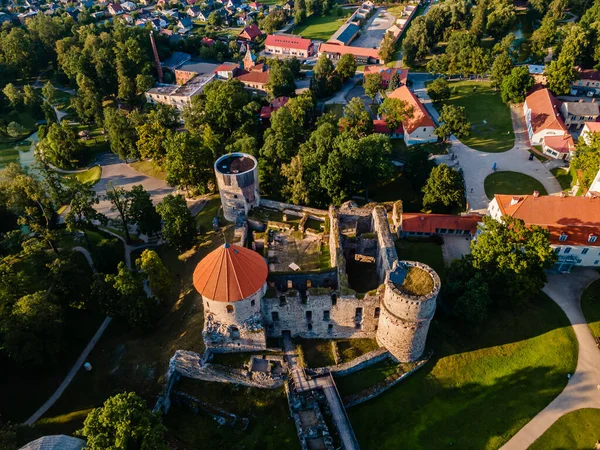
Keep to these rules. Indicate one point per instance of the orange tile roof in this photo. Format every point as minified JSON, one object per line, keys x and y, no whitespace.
{"x":421,"y":117}
{"x":230,"y":273}
{"x":346,"y":49}
{"x":429,"y":223}
{"x":594,"y":127}
{"x":578,"y":217}
{"x":386,"y":73}
{"x":288,"y":41}
{"x":381,"y":127}
{"x":561,"y":144}
{"x":254,"y":77}
{"x":544,"y":111}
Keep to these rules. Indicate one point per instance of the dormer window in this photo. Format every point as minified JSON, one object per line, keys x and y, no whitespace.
{"x":592,"y":238}
{"x":563,"y":237}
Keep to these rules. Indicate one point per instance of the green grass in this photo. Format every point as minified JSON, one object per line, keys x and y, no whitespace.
{"x":204,"y":219}
{"x":537,"y":156}
{"x":235,"y":360}
{"x":365,"y":378}
{"x":335,"y":108}
{"x":320,"y":27}
{"x":422,"y":250}
{"x":269,"y":428}
{"x":483,"y":103}
{"x":93,"y":146}
{"x":590,"y":304}
{"x":148,"y":168}
{"x":10,"y":151}
{"x":511,"y":183}
{"x":90,"y":176}
{"x":478,"y":390}
{"x":317,"y":352}
{"x":577,"y":430}
{"x":563,"y":177}
{"x":353,"y":348}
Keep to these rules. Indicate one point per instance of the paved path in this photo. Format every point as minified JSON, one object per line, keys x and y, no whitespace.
{"x":80,"y":361}
{"x":340,"y":97}
{"x":298,"y":375}
{"x":582,"y":389}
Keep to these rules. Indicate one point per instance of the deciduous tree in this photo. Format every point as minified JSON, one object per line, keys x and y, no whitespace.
{"x":372,"y":85}
{"x":395,"y":111}
{"x":444,"y":189}
{"x":179,"y":227}
{"x":453,"y":120}
{"x":60,"y":146}
{"x":516,"y":85}
{"x":346,"y":66}
{"x":356,"y":119}
{"x":438,"y":90}
{"x":158,"y":276}
{"x":142,"y":211}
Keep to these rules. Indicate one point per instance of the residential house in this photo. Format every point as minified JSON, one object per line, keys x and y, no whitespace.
{"x":288,"y":6}
{"x":266,"y":111}
{"x":129,"y":6}
{"x":232,"y":4}
{"x":146,"y":2}
{"x":362,"y":55}
{"x":98,"y":15}
{"x":588,"y":83}
{"x":114,"y":9}
{"x":250,"y":33}
{"x":573,"y":224}
{"x":127,"y":19}
{"x":202,"y":14}
{"x":419,"y":129}
{"x":255,"y":77}
{"x":227,"y":71}
{"x":420,"y":224}
{"x":185,"y":24}
{"x":386,"y":74}
{"x":5,"y":18}
{"x":208,"y":42}
{"x":242,"y":20}
{"x":542,"y":116}
{"x":588,"y":129}
{"x":559,"y":147}
{"x":27,"y":15}
{"x":381,"y":127}
{"x":538,"y":72}
{"x":578,"y":113}
{"x":179,"y":96}
{"x":255,"y":6}
{"x":193,"y":11}
{"x":289,"y":45}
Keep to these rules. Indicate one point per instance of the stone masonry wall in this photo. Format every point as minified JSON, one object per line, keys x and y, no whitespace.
{"x":387,"y":254}
{"x":313,"y":213}
{"x":366,"y":360}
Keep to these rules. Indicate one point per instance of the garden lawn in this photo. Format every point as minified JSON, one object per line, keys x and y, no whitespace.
{"x":349,"y":349}
{"x":10,"y":151}
{"x":577,"y":430}
{"x":90,"y":176}
{"x":148,"y":168}
{"x":590,"y":304}
{"x":511,"y":183}
{"x":365,"y":378}
{"x":564,"y":177}
{"x":204,"y":219}
{"x":483,"y":103}
{"x":317,"y":352}
{"x":319,"y":27}
{"x":422,"y":250}
{"x":478,"y":390}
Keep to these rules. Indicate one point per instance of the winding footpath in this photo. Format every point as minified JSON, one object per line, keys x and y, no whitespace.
{"x":582,"y":390}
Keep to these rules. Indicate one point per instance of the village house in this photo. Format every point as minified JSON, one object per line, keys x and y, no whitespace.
{"x":559,"y":147}
{"x":179,"y":96}
{"x":250,"y":33}
{"x":588,"y":129}
{"x":419,"y":224}
{"x":129,"y":6}
{"x":289,"y":45}
{"x":573,"y":223}
{"x":381,"y":127}
{"x":588,"y":83}
{"x":185,"y":24}
{"x":266,"y":111}
{"x":114,"y":9}
{"x":227,"y":71}
{"x":386,"y":74}
{"x":419,"y":129}
{"x":578,"y":113}
{"x":345,"y":34}
{"x":361,"y":55}
{"x":255,"y":77}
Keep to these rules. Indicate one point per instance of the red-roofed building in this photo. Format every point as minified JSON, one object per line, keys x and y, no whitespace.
{"x":227,"y":70}
{"x":573,"y":223}
{"x":587,"y":84}
{"x":588,"y":129}
{"x":429,"y":224}
{"x":559,"y":147}
{"x":250,"y":33}
{"x":361,"y":55}
{"x":542,"y":115}
{"x":419,"y":129}
{"x":381,"y":127}
{"x":208,"y":42}
{"x":289,"y":45}
{"x":386,"y":74}
{"x":266,"y":111}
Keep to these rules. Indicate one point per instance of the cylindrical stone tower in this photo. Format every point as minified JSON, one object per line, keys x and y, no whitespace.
{"x":232,"y":283}
{"x":407,"y":308}
{"x":237,"y":178}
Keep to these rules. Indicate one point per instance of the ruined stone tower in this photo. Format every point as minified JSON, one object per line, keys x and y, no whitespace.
{"x":237,"y":178}
{"x":407,"y":307}
{"x":232,"y":282}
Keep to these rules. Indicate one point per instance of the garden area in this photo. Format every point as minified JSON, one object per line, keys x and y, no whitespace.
{"x":479,"y":389}
{"x":321,"y":28}
{"x":315,"y":352}
{"x":590,"y":305}
{"x":491,"y":123}
{"x":564,"y":177}
{"x":577,"y":430}
{"x":511,"y":183}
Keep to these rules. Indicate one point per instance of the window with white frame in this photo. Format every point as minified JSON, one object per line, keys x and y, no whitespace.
{"x":592,"y":238}
{"x":567,"y":250}
{"x":563,"y":237}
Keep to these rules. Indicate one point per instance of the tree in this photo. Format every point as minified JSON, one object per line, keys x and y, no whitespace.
{"x":121,"y":133}
{"x":323,"y":68}
{"x":82,"y":199}
{"x":395,"y":81}
{"x":87,"y":102}
{"x":356,"y":119}
{"x":123,"y":422}
{"x":560,"y":75}
{"x":587,"y":158}
{"x":13,"y":94}
{"x":215,"y":19}
{"x":13,"y":129}
{"x":107,"y":255}
{"x":373,"y":162}
{"x":444,"y":189}
{"x":70,"y":280}
{"x":30,"y":97}
{"x":438,"y":90}
{"x":179,"y":227}
{"x":501,"y":68}
{"x":33,"y":330}
{"x":467,"y":291}
{"x":120,"y":200}
{"x":514,"y":258}
{"x":60,"y":146}
{"x":189,"y":163}
{"x":395,"y":111}
{"x":387,"y":48}
{"x":143,"y":82}
{"x":142,"y":211}
{"x":417,"y":41}
{"x":515,"y":86}
{"x":372,"y":85}
{"x":281,"y":79}
{"x":453,"y":120}
{"x":346,"y":66}
{"x":158,"y":276}
{"x":49,"y":93}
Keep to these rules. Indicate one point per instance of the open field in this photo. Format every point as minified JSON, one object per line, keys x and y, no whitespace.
{"x":577,"y":430}
{"x":512,"y":183}
{"x":148,"y":168}
{"x":590,"y":304}
{"x":479,"y":389}
{"x":491,"y":124}
{"x":319,"y":27}
{"x":365,"y":378}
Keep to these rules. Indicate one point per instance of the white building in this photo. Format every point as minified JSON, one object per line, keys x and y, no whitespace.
{"x":542,"y":116}
{"x":419,"y":129}
{"x":179,"y":96}
{"x":588,"y":129}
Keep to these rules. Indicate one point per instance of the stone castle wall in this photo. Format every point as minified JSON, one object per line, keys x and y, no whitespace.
{"x":386,"y":247}
{"x":239,"y":192}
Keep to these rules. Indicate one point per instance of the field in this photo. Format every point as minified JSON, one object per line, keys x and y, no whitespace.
{"x":479,"y":389}
{"x":564,"y":177}
{"x":512,"y":183}
{"x":319,"y":27}
{"x":590,"y":304}
{"x":577,"y":430}
{"x":148,"y":168}
{"x":365,"y":378}
{"x":491,"y":124}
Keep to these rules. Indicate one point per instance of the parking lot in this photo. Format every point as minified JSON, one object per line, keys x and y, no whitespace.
{"x":373,"y":31}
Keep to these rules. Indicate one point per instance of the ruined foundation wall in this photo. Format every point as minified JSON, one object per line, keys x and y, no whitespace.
{"x":386,"y":248}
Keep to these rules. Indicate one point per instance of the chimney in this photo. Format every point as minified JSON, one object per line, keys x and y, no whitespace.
{"x":563,"y":194}
{"x":514,"y":200}
{"x":156,"y":58}
{"x":536,"y":194}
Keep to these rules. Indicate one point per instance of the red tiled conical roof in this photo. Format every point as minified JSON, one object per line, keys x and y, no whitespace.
{"x":230,"y":273}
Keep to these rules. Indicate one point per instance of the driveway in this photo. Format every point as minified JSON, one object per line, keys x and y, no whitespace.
{"x":373,"y":31}
{"x":116,"y":171}
{"x":582,"y":389}
{"x":340,"y":97}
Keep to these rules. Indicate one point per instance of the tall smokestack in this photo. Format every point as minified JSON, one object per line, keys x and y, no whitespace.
{"x":156,"y":58}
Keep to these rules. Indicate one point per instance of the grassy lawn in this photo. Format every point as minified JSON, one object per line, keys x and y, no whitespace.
{"x":148,"y":168}
{"x":321,"y":27}
{"x":512,"y":183}
{"x":353,"y":348}
{"x":91,"y":176}
{"x":365,"y":378}
{"x":478,"y":390}
{"x":204,"y":219}
{"x":482,"y":103}
{"x":93,"y":146}
{"x":12,"y":151}
{"x":564,"y":178}
{"x":269,"y":428}
{"x":590,"y":304}
{"x":334,"y":108}
{"x":422,"y":250}
{"x":577,"y":430}
{"x":317,"y":352}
